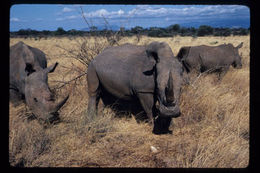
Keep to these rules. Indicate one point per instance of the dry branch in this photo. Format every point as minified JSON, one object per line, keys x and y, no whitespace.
{"x":68,"y":82}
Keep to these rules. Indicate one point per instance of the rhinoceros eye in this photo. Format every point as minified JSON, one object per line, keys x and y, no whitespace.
{"x":35,"y":99}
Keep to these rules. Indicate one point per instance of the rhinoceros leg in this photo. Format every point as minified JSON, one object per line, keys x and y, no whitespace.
{"x":147,"y":102}
{"x":15,"y":97}
{"x":93,"y":91}
{"x":161,"y":125}
{"x":222,"y":72}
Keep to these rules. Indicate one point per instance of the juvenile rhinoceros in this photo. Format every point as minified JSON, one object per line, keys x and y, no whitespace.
{"x":29,"y":81}
{"x":150,"y":73}
{"x":210,"y":58}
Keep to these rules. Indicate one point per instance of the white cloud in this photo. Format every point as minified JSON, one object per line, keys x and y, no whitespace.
{"x":39,"y":19}
{"x":72,"y":17}
{"x":192,"y":11}
{"x":60,"y":19}
{"x":99,"y":13}
{"x":68,"y":17}
{"x":14,"y":19}
{"x":169,"y":13}
{"x":66,"y":9}
{"x":105,"y":13}
{"x":120,"y":12}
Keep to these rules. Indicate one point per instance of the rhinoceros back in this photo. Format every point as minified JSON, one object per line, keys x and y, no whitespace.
{"x":116,"y":68}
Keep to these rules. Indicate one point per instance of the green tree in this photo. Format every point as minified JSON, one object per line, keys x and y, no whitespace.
{"x":60,"y":31}
{"x":205,"y":30}
{"x":46,"y":32}
{"x":93,"y":28}
{"x":174,"y":28}
{"x":137,"y":30}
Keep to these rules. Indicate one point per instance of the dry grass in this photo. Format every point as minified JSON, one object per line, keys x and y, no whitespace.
{"x":213,"y":130}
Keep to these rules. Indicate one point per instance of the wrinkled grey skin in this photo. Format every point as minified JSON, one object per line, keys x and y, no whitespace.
{"x":149,"y":73}
{"x":210,"y":58}
{"x":29,"y":81}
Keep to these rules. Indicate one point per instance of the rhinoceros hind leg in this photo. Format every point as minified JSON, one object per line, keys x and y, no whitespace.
{"x":93,"y":91}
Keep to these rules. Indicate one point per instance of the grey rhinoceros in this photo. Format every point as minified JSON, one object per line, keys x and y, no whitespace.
{"x":210,"y":58}
{"x":149,"y":73}
{"x":29,"y":81}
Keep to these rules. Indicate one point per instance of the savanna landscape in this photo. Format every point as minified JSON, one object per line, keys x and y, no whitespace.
{"x":212,"y":132}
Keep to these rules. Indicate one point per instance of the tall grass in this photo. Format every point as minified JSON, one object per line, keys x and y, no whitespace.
{"x":213,"y":130}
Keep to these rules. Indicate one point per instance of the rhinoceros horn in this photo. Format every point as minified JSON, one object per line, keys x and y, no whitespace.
{"x":51,"y":68}
{"x":59,"y":105}
{"x":56,"y":107}
{"x":169,"y":90}
{"x":169,"y":110}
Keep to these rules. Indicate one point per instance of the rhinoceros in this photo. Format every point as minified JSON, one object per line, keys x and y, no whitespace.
{"x":28,"y":81}
{"x":150,"y":73}
{"x":210,"y":58}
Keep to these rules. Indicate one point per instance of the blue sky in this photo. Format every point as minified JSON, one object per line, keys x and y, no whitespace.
{"x":50,"y":17}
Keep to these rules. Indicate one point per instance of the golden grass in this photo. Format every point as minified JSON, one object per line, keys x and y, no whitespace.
{"x":213,"y":130}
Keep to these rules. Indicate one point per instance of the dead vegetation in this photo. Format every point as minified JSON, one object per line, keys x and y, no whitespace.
{"x":213,"y":130}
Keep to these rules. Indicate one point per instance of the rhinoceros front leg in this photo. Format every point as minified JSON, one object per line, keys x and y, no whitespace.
{"x":222,"y":72}
{"x":147,"y":102}
{"x":15,"y":97}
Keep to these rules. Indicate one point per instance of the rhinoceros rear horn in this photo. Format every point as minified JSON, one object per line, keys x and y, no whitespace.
{"x":51,"y":68}
{"x":60,"y":104}
{"x":240,"y":45}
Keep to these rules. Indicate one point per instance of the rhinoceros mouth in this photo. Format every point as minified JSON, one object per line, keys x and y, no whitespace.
{"x":238,"y":66}
{"x":50,"y":114}
{"x":168,"y":111}
{"x":54,"y":117}
{"x":49,"y":118}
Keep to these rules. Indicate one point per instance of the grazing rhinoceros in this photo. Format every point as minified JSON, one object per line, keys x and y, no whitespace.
{"x":210,"y":58}
{"x":148,"y":73}
{"x":29,"y":81}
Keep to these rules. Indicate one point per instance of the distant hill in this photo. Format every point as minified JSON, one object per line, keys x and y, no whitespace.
{"x":102,"y":27}
{"x":227,"y":23}
{"x":216,"y":23}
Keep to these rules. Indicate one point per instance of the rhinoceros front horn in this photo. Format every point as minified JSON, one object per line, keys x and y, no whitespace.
{"x":60,"y":104}
{"x":169,"y":90}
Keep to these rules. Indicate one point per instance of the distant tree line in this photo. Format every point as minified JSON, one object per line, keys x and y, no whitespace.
{"x":172,"y":30}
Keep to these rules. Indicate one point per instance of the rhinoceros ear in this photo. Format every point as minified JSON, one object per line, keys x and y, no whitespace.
{"x":183,"y":53}
{"x":51,"y":68}
{"x":158,"y":51}
{"x":29,"y":69}
{"x":240,"y":45}
{"x":151,"y":51}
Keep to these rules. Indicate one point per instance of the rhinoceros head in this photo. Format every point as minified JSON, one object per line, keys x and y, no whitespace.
{"x":237,"y":62}
{"x":168,"y":78}
{"x":38,"y":96}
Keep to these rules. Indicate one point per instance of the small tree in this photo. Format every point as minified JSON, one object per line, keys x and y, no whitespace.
{"x":137,"y":31}
{"x":174,"y":28}
{"x":226,"y":32}
{"x":205,"y":30}
{"x":60,"y":31}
